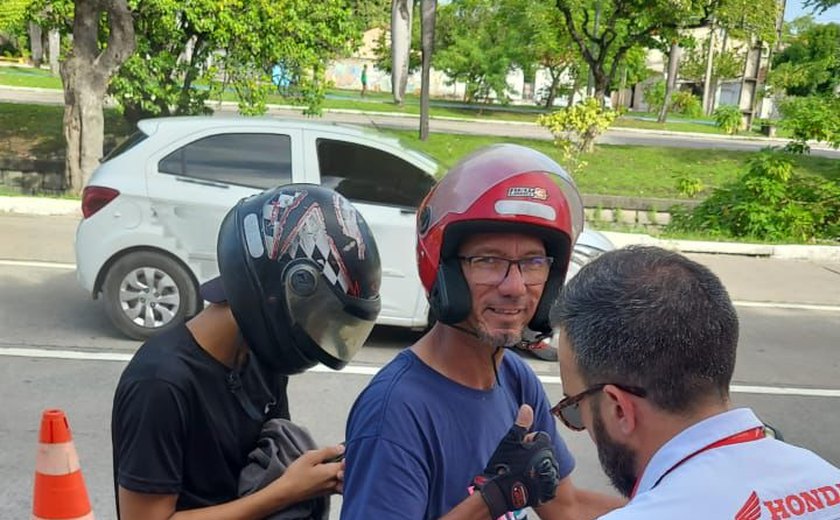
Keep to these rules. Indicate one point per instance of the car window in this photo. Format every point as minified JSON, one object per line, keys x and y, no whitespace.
{"x":366,"y":174}
{"x":257,"y":160}
{"x":127,"y":144}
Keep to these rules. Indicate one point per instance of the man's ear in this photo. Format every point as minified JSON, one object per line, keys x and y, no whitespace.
{"x":619,"y":408}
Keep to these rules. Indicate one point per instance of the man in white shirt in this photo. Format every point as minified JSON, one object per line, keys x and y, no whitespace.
{"x":647,"y":343}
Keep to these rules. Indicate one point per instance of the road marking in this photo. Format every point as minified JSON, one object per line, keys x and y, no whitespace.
{"x":30,"y":263}
{"x":737,"y":303}
{"x":369,"y":370}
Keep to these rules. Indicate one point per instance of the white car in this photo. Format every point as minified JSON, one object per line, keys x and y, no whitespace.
{"x":153,"y":208}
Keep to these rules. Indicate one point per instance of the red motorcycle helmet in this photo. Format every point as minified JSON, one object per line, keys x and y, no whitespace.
{"x":498,"y":189}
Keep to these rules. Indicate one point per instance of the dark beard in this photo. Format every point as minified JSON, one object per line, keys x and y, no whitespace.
{"x":617,"y":460}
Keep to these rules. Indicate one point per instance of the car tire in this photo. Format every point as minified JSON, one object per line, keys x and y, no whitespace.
{"x":146,"y":293}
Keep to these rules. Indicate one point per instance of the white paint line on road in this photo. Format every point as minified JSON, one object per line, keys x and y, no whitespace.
{"x":30,"y":263}
{"x":788,"y":306}
{"x":738,"y":303}
{"x":363,"y":370}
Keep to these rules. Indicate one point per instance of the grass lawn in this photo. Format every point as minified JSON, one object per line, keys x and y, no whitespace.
{"x":35,"y":132}
{"x":636,"y":171}
{"x":28,"y":77}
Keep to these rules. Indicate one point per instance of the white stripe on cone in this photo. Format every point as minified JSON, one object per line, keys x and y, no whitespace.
{"x":57,"y":459}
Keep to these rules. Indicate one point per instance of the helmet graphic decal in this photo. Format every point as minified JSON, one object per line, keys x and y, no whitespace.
{"x":347,"y":219}
{"x":275,"y":212}
{"x":309,"y":239}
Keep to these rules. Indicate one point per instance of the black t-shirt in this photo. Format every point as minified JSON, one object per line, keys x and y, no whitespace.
{"x":178,"y":428}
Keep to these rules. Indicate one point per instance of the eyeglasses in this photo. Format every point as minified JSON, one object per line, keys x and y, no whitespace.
{"x":568,"y":410}
{"x":492,"y":270}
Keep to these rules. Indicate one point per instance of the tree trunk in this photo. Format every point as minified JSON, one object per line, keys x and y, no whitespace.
{"x":707,"y":77}
{"x":622,"y":88}
{"x":85,"y":75}
{"x":401,"y":11}
{"x":673,"y":70}
{"x":427,"y":26}
{"x":54,"y":49}
{"x":552,"y":90}
{"x":36,"y":44}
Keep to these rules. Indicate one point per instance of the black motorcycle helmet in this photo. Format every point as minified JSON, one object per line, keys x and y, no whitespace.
{"x":300,"y":270}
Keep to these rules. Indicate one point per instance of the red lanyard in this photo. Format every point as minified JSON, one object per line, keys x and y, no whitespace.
{"x":753,"y":434}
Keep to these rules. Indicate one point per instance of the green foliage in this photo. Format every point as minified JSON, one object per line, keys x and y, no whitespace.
{"x":13,"y":18}
{"x":768,"y":202}
{"x":814,"y":118}
{"x":810,"y":64}
{"x":474,"y":46}
{"x":575,"y":129}
{"x":685,"y":103}
{"x":728,"y":118}
{"x":688,"y":185}
{"x":655,"y":95}
{"x":725,"y":65}
{"x":189,"y":52}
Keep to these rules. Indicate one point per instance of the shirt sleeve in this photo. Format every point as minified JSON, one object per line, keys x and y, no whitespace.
{"x":149,"y":427}
{"x":383,"y":481}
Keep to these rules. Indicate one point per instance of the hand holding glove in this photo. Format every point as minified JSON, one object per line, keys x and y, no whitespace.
{"x":522,"y":471}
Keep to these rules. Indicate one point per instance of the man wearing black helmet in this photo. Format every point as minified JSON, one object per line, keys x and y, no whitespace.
{"x":494,"y":239}
{"x":190,"y":405}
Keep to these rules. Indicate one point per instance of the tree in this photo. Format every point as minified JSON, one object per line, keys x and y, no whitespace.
{"x":810,"y":64}
{"x":539,"y":39}
{"x":85,"y":73}
{"x":190,"y":52}
{"x":820,"y":6}
{"x":626,"y":24}
{"x":385,"y":58}
{"x":475,"y":48}
{"x":401,"y":14}
{"x":428,"y":12}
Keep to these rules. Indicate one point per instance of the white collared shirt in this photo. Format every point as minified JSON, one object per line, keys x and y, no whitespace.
{"x":759,"y":479}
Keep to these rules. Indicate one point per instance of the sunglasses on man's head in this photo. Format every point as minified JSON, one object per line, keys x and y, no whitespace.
{"x":568,"y":410}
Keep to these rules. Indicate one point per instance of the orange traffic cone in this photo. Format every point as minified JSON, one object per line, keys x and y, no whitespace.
{"x":60,"y":491}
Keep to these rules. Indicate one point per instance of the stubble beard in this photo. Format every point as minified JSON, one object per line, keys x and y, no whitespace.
{"x":498,"y":339}
{"x":617,"y":460}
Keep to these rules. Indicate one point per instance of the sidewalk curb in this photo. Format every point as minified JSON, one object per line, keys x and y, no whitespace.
{"x":780,"y":252}
{"x":44,"y":206}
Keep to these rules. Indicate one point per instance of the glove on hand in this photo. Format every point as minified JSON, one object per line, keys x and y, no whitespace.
{"x":520,"y":473}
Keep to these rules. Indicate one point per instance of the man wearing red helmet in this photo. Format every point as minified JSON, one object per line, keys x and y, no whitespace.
{"x":494,"y":239}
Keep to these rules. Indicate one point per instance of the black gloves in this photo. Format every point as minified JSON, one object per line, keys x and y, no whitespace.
{"x":519,"y":474}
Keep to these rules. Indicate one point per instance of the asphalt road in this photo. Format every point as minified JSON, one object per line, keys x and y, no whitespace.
{"x":618,"y":136}
{"x":787,"y":364}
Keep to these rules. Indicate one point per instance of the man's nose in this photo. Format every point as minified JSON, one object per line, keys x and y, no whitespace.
{"x":513,"y":283}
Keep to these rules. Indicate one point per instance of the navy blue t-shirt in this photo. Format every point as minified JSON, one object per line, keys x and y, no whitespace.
{"x":416,"y":439}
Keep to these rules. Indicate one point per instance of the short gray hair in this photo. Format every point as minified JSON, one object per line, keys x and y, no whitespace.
{"x":647,"y":317}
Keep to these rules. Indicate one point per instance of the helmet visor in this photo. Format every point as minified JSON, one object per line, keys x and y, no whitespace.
{"x":338,"y":329}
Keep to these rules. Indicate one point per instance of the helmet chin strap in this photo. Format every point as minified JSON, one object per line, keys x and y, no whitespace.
{"x":495,"y":353}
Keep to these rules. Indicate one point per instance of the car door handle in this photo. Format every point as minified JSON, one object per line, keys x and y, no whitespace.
{"x":202,"y":183}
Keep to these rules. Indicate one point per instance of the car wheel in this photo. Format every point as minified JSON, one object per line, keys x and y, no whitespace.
{"x":146,"y":293}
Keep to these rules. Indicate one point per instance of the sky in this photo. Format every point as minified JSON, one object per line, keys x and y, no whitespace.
{"x":795,"y":9}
